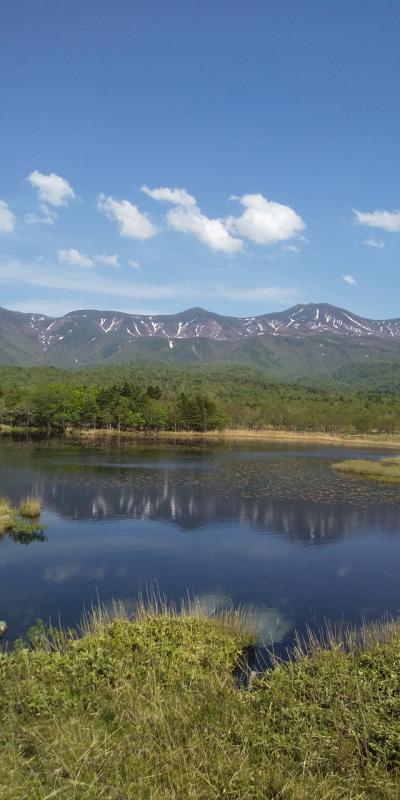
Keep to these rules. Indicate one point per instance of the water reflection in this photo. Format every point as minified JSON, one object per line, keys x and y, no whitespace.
{"x":231,"y":526}
{"x":192,"y":503}
{"x":27,"y":537}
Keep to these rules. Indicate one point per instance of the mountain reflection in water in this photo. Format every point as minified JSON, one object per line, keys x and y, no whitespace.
{"x":120,"y":516}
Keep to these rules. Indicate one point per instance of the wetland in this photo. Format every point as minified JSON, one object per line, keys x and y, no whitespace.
{"x":267,"y":526}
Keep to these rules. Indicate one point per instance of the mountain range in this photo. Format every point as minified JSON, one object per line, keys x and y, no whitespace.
{"x":309,"y":339}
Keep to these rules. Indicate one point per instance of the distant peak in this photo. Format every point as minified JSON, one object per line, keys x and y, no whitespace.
{"x":196,"y":310}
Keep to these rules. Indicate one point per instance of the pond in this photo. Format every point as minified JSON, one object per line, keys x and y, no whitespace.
{"x":267,"y":526}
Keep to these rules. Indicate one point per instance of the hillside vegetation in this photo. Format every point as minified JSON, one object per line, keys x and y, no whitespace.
{"x":311,"y":342}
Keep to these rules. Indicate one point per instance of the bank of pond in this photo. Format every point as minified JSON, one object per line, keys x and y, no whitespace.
{"x":153,"y":707}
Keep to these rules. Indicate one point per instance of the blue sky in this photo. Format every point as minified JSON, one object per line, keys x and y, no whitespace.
{"x":241,"y":156}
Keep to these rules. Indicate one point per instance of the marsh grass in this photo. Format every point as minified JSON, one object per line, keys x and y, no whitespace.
{"x":30,"y":507}
{"x":12,"y":522}
{"x":351,"y":640}
{"x":386,"y":469}
{"x":7,"y":515}
{"x":145,"y":706}
{"x":153,"y":603}
{"x":6,"y":522}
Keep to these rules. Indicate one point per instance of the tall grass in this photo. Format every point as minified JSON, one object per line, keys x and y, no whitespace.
{"x":145,"y":706}
{"x":30,"y":507}
{"x":6,"y":515}
{"x":153,"y":603}
{"x":12,"y":522}
{"x":386,"y":469}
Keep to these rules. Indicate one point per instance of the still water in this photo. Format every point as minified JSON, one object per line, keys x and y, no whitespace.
{"x":269,"y":526}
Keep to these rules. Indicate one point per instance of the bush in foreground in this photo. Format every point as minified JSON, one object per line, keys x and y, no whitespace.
{"x":149,"y":709}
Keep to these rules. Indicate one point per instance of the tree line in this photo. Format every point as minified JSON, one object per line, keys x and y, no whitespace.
{"x":188,"y":401}
{"x":58,"y":406}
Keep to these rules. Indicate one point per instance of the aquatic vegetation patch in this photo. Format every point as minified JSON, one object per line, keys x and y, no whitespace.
{"x":385,"y":469}
{"x":149,"y":708}
{"x":12,"y":521}
{"x":30,"y":507}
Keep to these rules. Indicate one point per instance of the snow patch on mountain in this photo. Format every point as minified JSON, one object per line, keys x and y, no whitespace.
{"x":85,"y":330}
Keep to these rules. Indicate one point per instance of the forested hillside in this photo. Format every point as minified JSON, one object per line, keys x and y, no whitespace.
{"x":310,"y":343}
{"x":155,"y":397}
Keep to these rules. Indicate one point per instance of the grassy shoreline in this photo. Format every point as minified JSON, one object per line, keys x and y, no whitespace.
{"x":21,"y":429}
{"x":391,"y":440}
{"x":149,"y":708}
{"x":366,"y":440}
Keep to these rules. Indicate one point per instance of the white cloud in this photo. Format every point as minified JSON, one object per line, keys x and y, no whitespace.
{"x":133,"y":224}
{"x":272,"y":294}
{"x":7,"y":218}
{"x":74,"y":258}
{"x":378,"y":243}
{"x":15,"y":273}
{"x":386,"y":220}
{"x":109,"y":261}
{"x":264,"y":221}
{"x":212,"y":232}
{"x":47,"y":216}
{"x":178,"y":197}
{"x":52,"y":188}
{"x":187,"y":217}
{"x":134,"y":264}
{"x":291,"y":248}
{"x":350,"y":280}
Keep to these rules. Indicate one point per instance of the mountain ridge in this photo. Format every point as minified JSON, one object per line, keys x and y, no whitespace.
{"x":309,"y":332}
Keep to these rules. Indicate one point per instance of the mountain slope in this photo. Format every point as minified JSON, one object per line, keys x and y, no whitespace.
{"x":309,"y":340}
